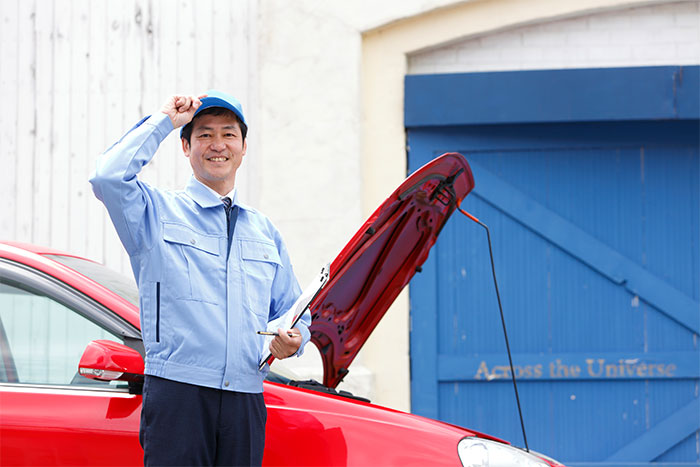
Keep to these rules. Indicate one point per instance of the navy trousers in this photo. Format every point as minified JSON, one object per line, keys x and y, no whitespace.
{"x":184,"y":424}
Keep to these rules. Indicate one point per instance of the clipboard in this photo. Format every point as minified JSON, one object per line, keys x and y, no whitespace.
{"x":292,"y":316}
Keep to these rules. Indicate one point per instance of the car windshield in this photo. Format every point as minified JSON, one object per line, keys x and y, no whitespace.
{"x":117,"y":283}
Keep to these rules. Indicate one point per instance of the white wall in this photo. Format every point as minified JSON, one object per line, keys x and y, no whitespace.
{"x":665,"y":34}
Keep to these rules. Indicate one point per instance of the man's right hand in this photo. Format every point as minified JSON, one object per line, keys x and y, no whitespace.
{"x":181,"y":109}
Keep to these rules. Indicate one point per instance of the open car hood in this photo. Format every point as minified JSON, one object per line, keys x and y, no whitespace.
{"x":381,"y":258}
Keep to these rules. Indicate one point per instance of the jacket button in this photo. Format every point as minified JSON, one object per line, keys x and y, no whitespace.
{"x":226,"y":383}
{"x":266,"y":256}
{"x":193,"y":241}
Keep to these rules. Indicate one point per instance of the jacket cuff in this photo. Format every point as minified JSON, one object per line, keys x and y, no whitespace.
{"x":162,"y":123}
{"x":305,"y":338}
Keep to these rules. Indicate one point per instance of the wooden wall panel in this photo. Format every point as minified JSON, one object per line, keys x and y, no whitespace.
{"x":8,"y":127}
{"x":25,"y":164}
{"x":75,"y":75}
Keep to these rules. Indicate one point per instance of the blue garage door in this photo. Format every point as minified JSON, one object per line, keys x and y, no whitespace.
{"x":590,"y":184}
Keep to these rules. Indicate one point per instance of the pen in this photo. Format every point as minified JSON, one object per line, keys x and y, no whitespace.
{"x":267,"y":333}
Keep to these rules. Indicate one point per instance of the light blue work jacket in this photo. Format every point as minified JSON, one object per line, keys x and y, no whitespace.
{"x":200,"y":305}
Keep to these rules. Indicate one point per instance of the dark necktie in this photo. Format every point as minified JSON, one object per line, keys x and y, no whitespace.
{"x":227,"y":205}
{"x":231,"y":217}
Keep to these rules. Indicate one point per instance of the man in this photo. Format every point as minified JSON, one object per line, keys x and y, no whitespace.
{"x":211,"y":272}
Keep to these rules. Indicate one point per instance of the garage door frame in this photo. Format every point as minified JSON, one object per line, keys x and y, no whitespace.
{"x":558,"y":96}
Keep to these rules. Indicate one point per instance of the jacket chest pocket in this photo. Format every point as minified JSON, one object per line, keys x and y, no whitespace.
{"x":260,"y":261}
{"x":192,"y":264}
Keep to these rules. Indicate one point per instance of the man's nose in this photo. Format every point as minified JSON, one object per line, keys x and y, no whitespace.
{"x":217,"y":144}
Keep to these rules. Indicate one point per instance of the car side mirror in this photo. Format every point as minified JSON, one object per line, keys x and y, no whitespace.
{"x":105,"y":360}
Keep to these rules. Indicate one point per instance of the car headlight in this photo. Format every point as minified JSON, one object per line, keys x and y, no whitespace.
{"x":479,"y":452}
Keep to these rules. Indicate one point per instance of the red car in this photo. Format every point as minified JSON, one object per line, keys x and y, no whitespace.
{"x":71,"y":363}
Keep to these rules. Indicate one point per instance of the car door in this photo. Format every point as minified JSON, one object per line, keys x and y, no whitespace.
{"x":50,"y":415}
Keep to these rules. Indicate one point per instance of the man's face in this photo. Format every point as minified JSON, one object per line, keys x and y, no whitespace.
{"x":215,"y":150}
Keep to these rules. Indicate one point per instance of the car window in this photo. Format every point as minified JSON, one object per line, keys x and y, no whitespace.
{"x":124,"y":286}
{"x":42,"y":340}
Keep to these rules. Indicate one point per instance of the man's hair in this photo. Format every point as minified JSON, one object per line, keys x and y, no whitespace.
{"x":216,"y":111}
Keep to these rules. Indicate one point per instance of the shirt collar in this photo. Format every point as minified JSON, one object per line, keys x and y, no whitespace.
{"x":208,"y":198}
{"x":231,"y":194}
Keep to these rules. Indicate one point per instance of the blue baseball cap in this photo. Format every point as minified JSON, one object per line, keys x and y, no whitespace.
{"x":220,"y":99}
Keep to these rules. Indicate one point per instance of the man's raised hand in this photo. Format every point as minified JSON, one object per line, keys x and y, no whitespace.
{"x":181,"y":109}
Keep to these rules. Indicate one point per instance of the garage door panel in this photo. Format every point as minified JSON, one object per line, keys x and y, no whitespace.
{"x":569,"y":414}
{"x":672,"y":211}
{"x":521,"y":253}
{"x":670,"y":396}
{"x":457,"y":329}
{"x":663,"y":439}
{"x":474,"y":329}
{"x":662,"y":334}
{"x":680,"y":452}
{"x":589,"y":311}
{"x":529,"y":270}
{"x":596,"y":254}
{"x":571,"y":233}
{"x":594,"y":188}
{"x":596,"y":235}
{"x":631,"y":187}
{"x":601,"y":424}
{"x":470,"y":306}
{"x":472,"y":401}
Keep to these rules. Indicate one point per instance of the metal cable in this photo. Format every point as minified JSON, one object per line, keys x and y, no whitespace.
{"x":503,"y":321}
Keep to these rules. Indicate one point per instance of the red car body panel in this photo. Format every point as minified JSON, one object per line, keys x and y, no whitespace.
{"x":307,"y":428}
{"x":303,"y":428}
{"x":65,"y":425}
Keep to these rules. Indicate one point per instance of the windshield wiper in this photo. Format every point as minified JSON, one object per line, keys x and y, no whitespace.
{"x":314,"y":385}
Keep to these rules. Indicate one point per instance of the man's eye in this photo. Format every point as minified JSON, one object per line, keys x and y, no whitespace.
{"x":204,"y":135}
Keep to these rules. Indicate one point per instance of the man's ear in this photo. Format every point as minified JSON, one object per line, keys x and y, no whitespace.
{"x":185,"y":147}
{"x":245,"y":146}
